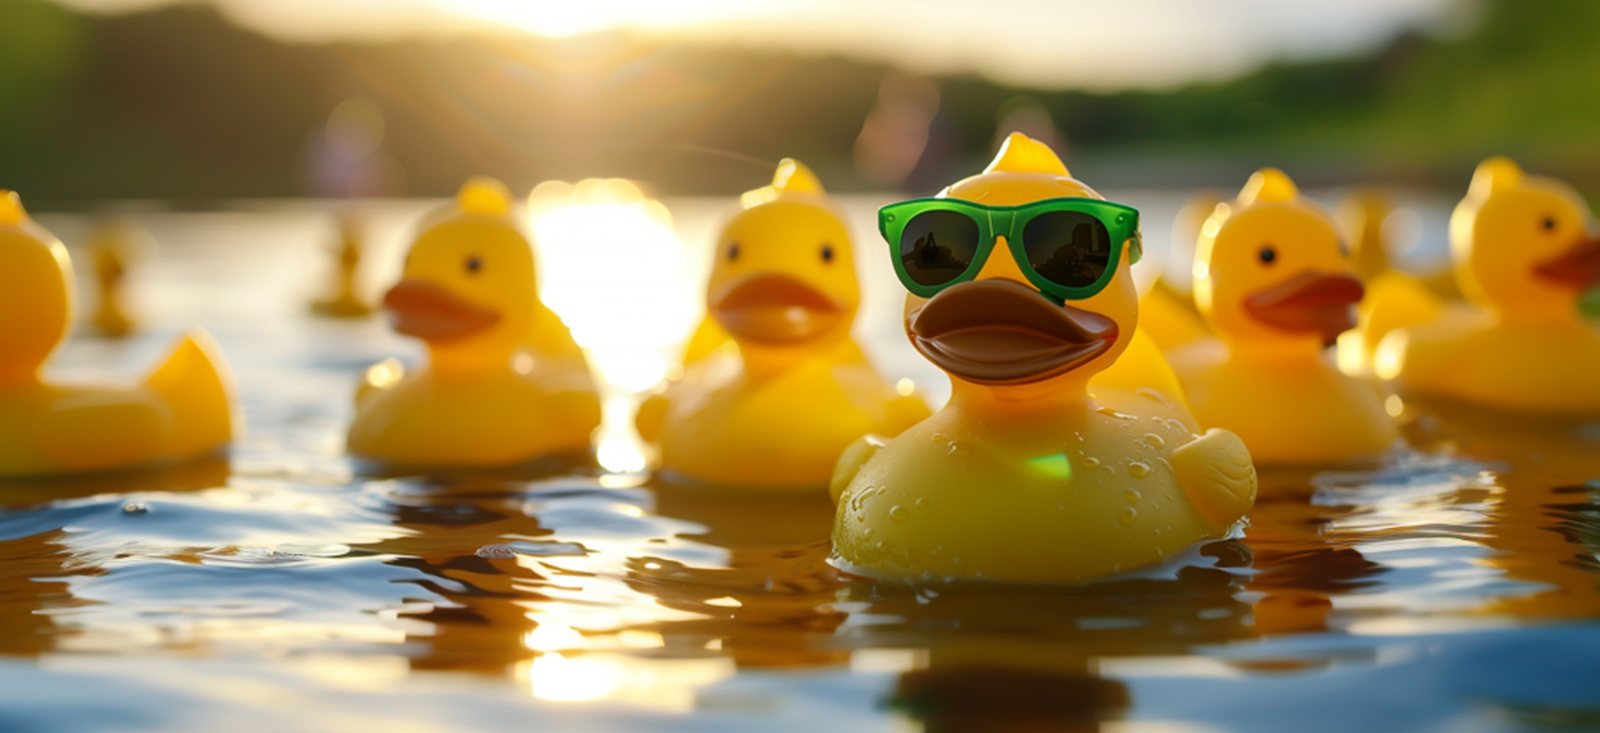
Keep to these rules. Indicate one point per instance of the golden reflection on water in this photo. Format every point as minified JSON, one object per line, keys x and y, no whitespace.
{"x":594,"y":590}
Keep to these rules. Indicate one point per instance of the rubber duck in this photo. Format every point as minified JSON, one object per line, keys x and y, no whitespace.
{"x":345,"y":301}
{"x":1272,"y":281}
{"x":1036,"y":470}
{"x":771,"y":409}
{"x":182,"y":408}
{"x":1524,"y":248}
{"x":113,"y":246}
{"x":504,"y":383}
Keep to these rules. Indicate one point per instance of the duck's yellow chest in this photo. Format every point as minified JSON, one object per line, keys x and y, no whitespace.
{"x":498,"y":418}
{"x":1300,"y":410}
{"x":726,"y":426}
{"x":1075,"y":495}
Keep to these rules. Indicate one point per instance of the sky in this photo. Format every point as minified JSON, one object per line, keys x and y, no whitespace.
{"x":1090,"y":44}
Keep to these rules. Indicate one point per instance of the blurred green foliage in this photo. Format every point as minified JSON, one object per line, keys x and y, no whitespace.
{"x":177,"y":103}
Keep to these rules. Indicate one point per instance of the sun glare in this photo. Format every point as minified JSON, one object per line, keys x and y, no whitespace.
{"x":577,"y":18}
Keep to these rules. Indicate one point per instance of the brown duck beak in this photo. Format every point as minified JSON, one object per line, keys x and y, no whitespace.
{"x":432,"y":312}
{"x":1003,"y":332}
{"x":775,"y":309}
{"x":1578,"y":267}
{"x":1311,"y":302}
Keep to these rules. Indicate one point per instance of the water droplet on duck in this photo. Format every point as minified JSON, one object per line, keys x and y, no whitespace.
{"x":958,"y":448}
{"x":922,"y":501}
{"x":1091,"y":463}
{"x":1127,"y":516}
{"x":899,"y":513}
{"x":1113,"y":413}
{"x":1154,"y":440}
{"x":1138,"y":469}
{"x":1132,"y":495}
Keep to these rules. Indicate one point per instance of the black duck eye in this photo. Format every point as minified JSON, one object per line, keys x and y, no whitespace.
{"x":827,"y":253}
{"x":474,"y":264}
{"x":733,"y":252}
{"x":1549,"y":223}
{"x":1268,"y":255}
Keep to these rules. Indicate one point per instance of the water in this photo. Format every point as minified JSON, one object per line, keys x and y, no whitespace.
{"x":283,"y":588}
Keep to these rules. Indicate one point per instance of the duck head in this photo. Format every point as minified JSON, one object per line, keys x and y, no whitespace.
{"x":998,"y":332}
{"x":36,"y":293}
{"x":468,"y":288}
{"x":1523,"y":245}
{"x":1270,"y":271}
{"x":785,"y":272}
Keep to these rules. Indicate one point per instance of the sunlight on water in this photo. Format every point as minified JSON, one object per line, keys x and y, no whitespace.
{"x":614,"y":272}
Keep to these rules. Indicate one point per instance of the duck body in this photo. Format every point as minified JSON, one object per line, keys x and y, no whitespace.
{"x":1525,"y":248}
{"x":504,"y":382}
{"x":732,"y":425}
{"x":492,"y":417}
{"x":1295,"y":408}
{"x":1274,"y":284}
{"x":1053,"y":460}
{"x":774,"y":387}
{"x":181,"y":409}
{"x":1061,"y":491}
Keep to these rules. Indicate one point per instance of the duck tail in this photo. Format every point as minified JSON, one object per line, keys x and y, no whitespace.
{"x":196,"y":384}
{"x":1169,"y":317}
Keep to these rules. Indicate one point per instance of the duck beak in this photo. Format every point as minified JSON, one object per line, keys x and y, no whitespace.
{"x":432,"y":312}
{"x":1003,"y":332}
{"x":1312,"y":302}
{"x":774,"y":309}
{"x":1578,"y":267}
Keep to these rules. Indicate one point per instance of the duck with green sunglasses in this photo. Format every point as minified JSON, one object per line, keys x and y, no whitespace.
{"x":1066,"y":452}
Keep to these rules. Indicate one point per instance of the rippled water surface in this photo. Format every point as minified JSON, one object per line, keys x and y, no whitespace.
{"x":284,"y":588}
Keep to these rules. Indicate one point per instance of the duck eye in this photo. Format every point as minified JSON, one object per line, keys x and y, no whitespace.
{"x":1549,"y":223}
{"x":827,"y":253}
{"x":474,"y":264}
{"x":733,"y":252}
{"x":1268,"y":255}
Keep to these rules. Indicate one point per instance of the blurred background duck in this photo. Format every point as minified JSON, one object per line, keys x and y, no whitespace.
{"x":504,"y":382}
{"x":775,"y":386}
{"x":1272,"y":281}
{"x":1525,"y":249}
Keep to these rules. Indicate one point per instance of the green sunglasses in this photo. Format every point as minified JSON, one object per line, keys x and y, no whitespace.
{"x":1069,"y":247}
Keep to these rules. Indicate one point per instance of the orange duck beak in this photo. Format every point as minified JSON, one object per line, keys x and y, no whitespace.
{"x":432,"y":312}
{"x":775,"y":309}
{"x":1003,"y":332}
{"x":1309,"y":303}
{"x":1579,"y":267}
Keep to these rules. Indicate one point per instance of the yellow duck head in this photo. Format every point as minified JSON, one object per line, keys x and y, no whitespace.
{"x":468,"y":288}
{"x":36,"y":293}
{"x":1270,"y":269}
{"x":1000,"y":332}
{"x":1523,"y":245}
{"x":785,"y":272}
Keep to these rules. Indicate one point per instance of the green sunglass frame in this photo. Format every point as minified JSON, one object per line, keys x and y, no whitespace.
{"x":1121,"y":222}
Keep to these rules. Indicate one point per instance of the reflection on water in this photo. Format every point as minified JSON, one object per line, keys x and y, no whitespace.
{"x":282,"y":588}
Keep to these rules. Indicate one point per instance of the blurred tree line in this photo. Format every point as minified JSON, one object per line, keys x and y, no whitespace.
{"x":179,"y":104}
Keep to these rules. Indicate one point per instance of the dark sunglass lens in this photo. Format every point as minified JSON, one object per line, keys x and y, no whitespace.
{"x":1067,"y":247}
{"x":937,"y":246}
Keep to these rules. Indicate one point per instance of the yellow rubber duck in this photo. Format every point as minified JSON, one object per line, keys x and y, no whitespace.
{"x":183,"y":408}
{"x":504,"y":382}
{"x":1525,"y":248}
{"x":345,"y":301}
{"x":772,"y":408}
{"x":112,"y":246}
{"x":1272,"y":282}
{"x":1033,"y":472}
